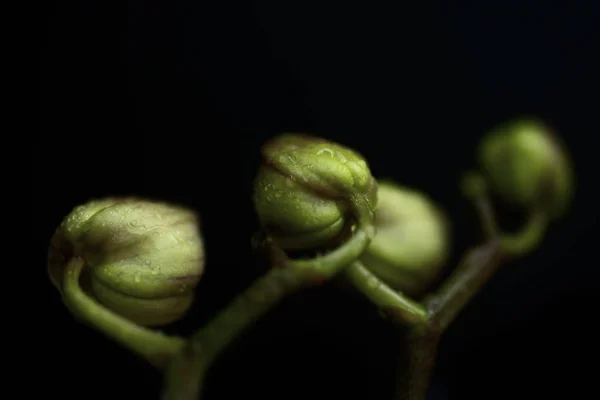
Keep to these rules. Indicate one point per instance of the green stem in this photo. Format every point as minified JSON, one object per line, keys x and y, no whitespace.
{"x":476,"y":268}
{"x":326,"y":266}
{"x":429,"y":320}
{"x":419,"y":344}
{"x":404,"y":309}
{"x":267,"y":291}
{"x":154,"y":346}
{"x":416,"y":361}
{"x":528,"y":238}
{"x":185,"y":374}
{"x":475,"y":189}
{"x":514,"y":245}
{"x":263,"y":295}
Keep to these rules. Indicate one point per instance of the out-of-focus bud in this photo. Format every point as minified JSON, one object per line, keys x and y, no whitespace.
{"x":143,"y":259}
{"x":306,"y":188}
{"x":412,"y":241}
{"x":526,"y":165}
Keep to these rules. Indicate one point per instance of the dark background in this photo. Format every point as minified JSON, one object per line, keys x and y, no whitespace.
{"x":173,"y":99}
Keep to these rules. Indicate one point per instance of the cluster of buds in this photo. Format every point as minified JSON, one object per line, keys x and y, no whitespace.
{"x":141,"y":260}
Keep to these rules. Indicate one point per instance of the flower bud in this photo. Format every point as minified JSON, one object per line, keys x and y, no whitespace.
{"x":527,"y":166}
{"x":411,"y":244}
{"x":143,"y":259}
{"x":306,"y":188}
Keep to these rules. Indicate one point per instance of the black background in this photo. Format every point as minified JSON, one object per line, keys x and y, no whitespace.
{"x":173,"y":99}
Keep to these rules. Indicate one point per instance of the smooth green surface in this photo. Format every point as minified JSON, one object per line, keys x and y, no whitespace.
{"x":412,"y":241}
{"x":527,"y":165}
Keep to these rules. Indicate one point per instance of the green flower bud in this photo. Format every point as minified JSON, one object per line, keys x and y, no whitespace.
{"x":143,"y":259}
{"x":307,"y":187}
{"x":411,"y":245}
{"x":527,"y":166}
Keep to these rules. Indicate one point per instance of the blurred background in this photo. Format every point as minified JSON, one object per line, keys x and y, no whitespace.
{"x":173,"y":99}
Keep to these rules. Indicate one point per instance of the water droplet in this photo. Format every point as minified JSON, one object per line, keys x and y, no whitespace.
{"x":327,"y":151}
{"x":278,"y":194}
{"x":138,"y":278}
{"x":148,"y":262}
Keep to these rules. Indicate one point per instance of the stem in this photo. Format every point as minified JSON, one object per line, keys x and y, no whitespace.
{"x":154,"y":346}
{"x":475,"y":189}
{"x":419,"y":345}
{"x":416,"y":363}
{"x":185,"y":374}
{"x":404,"y":309}
{"x":514,"y":245}
{"x":528,"y":238}
{"x":329,"y":265}
{"x":475,"y":269}
{"x":417,"y":360}
{"x":263,"y":295}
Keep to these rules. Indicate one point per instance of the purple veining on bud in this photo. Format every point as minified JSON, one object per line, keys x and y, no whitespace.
{"x":143,"y":259}
{"x":307,"y":188}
